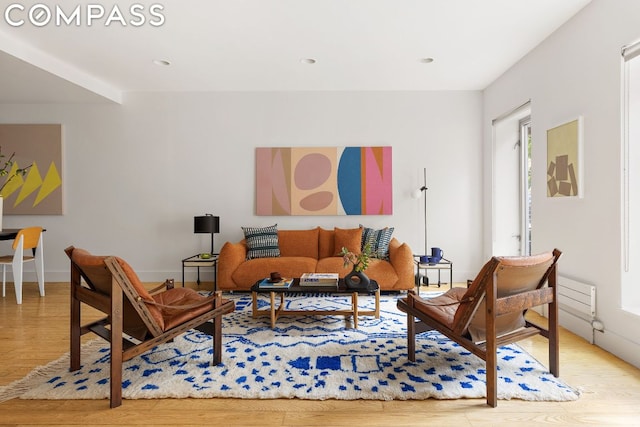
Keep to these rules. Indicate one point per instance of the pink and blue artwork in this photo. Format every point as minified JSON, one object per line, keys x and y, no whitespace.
{"x":323,"y":181}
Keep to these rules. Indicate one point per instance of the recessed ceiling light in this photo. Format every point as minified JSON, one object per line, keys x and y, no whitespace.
{"x":308,"y":61}
{"x":162,"y":62}
{"x":426,"y":60}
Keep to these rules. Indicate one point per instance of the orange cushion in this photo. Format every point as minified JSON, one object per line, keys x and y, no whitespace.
{"x":302,"y":243}
{"x":442,"y":308}
{"x":326,"y":243}
{"x":181,"y":297}
{"x":350,"y":238}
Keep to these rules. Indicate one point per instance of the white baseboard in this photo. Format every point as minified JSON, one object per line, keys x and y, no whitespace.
{"x":619,"y":346}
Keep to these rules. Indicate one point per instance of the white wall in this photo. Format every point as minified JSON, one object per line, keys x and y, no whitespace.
{"x":136,"y":174}
{"x":577,"y":71}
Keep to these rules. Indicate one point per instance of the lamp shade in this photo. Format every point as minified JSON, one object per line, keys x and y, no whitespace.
{"x":206,"y":224}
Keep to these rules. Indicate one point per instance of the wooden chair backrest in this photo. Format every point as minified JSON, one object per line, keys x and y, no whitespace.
{"x":512,"y":276}
{"x":31,"y":237}
{"x":136,"y":293}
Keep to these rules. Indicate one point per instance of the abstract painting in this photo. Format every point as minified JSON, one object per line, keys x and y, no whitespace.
{"x":39,"y":192}
{"x":323,"y":181}
{"x":564,"y":166}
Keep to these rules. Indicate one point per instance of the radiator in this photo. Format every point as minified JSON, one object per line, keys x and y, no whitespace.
{"x":577,"y":305}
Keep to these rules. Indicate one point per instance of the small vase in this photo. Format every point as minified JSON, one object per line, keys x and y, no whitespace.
{"x":356,"y":280}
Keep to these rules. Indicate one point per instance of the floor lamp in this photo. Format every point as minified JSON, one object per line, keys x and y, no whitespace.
{"x":416,"y":195}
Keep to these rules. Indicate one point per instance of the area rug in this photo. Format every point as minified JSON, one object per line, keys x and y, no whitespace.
{"x":307,"y":357}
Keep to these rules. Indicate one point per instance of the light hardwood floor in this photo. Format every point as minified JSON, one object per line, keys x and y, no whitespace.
{"x":37,"y":332}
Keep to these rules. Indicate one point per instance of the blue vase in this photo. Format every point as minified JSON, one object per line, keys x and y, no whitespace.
{"x":356,"y":280}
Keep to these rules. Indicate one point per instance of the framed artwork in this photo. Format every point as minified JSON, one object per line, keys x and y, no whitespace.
{"x":39,"y":192}
{"x":564,"y":160}
{"x":323,"y":181}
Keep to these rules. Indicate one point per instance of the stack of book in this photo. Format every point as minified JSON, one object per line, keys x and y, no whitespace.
{"x":319,"y":279}
{"x":280,"y":284}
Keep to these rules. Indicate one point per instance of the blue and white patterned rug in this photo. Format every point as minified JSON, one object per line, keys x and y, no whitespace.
{"x":309,"y":357}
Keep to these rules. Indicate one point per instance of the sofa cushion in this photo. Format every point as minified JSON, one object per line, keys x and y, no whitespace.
{"x":326,"y":243}
{"x":378,"y":241}
{"x":262,"y":242}
{"x":302,"y":243}
{"x":350,"y":238}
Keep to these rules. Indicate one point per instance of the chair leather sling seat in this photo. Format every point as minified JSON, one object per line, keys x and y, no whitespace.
{"x":94,"y":267}
{"x":152,"y":317}
{"x":490,"y":312}
{"x":442,"y":309}
{"x":180,"y":297}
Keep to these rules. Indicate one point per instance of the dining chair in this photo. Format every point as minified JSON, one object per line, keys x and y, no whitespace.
{"x":27,"y":239}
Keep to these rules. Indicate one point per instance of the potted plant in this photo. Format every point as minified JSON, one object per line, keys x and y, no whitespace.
{"x":356,"y":279}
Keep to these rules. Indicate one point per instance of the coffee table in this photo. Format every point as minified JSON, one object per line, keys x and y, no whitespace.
{"x":274,"y":311}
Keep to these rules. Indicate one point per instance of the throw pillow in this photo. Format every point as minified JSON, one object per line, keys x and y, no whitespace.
{"x":378,"y":241}
{"x":262,"y":242}
{"x":326,"y":243}
{"x":349,"y":238}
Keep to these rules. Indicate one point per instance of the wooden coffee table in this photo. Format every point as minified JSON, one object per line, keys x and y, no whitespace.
{"x":274,"y":311}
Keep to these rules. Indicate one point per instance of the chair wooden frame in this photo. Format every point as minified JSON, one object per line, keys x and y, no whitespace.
{"x":487,"y":290}
{"x":111,"y":326}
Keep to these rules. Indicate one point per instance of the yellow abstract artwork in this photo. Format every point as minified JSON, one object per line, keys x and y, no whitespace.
{"x":39,"y":192}
{"x":564,"y":167}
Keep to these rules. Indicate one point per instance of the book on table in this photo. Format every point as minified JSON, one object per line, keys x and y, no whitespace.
{"x":280,"y":284}
{"x":319,"y":279}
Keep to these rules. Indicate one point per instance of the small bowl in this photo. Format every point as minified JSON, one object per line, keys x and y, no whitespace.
{"x":275,"y":277}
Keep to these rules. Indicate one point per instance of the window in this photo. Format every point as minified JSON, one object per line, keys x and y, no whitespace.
{"x":630,"y":297}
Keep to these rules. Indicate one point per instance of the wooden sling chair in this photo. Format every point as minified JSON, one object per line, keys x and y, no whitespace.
{"x":490,"y":312}
{"x":136,"y":319}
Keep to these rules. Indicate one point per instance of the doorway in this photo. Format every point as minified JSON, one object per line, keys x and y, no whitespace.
{"x":511,"y":217}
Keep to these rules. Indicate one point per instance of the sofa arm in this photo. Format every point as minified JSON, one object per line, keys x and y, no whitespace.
{"x":230,"y":258}
{"x":401,"y":258}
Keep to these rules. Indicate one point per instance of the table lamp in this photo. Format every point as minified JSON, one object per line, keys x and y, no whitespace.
{"x":207,"y":224}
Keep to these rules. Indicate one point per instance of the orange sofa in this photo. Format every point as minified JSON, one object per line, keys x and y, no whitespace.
{"x":315,"y":250}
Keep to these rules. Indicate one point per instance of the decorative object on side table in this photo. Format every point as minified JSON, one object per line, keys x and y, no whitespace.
{"x":356,"y":279}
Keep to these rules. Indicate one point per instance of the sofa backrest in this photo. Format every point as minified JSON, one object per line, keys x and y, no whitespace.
{"x":327,"y":241}
{"x":318,"y":243}
{"x":302,"y":243}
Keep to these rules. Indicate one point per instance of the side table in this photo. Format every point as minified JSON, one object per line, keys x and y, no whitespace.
{"x":444,"y":264}
{"x":196,"y":261}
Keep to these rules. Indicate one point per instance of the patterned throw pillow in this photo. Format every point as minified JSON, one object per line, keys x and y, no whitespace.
{"x":378,"y":241}
{"x":262,"y":242}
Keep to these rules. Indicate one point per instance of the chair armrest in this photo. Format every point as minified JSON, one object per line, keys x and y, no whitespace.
{"x":230,"y":258}
{"x":168,"y":284}
{"x":185,"y":307}
{"x":401,"y":258}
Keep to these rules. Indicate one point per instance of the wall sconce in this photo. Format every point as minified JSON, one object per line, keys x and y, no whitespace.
{"x":207,"y":224}
{"x":416,"y":195}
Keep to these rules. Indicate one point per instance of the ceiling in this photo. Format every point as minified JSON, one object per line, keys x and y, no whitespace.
{"x":261,"y":45}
